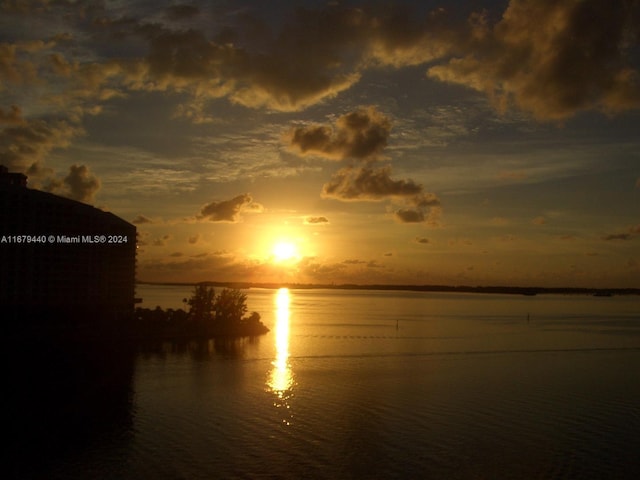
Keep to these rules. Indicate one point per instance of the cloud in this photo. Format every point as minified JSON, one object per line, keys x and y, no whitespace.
{"x":28,"y":143}
{"x":282,"y":73}
{"x":195,"y":239}
{"x":375,"y":184}
{"x":431,"y":216}
{"x":422,"y":240}
{"x":539,"y":220}
{"x":410,"y":215}
{"x":630,"y":234}
{"x":181,"y":12}
{"x":618,"y":236}
{"x":368,"y":184}
{"x":314,"y":55}
{"x":161,"y":242}
{"x":229,"y":210}
{"x":549,"y":58}
{"x":360,"y":134}
{"x":552,"y":59}
{"x":354,"y":261}
{"x":311,"y":268}
{"x":79,"y":184}
{"x":315,"y":220}
{"x":15,"y":68}
{"x":13,"y":116}
{"x":142,"y":219}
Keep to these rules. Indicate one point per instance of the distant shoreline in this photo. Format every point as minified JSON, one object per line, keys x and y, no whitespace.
{"x":529,"y":291}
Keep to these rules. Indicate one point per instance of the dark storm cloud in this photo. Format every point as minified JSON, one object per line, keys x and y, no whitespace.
{"x":229,"y":210}
{"x":360,"y":134}
{"x":552,"y":59}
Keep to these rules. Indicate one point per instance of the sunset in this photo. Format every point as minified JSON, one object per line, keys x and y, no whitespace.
{"x":320,"y":239}
{"x":390,"y":142}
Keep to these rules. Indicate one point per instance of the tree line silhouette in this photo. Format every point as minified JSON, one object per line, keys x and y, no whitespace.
{"x":209,"y":315}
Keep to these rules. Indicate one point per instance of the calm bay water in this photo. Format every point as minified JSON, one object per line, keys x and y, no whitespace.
{"x":364,"y":384}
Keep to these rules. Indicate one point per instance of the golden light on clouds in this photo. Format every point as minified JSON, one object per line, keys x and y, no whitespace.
{"x":302,"y":144}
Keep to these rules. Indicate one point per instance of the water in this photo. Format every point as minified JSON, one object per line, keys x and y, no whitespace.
{"x":363,"y":384}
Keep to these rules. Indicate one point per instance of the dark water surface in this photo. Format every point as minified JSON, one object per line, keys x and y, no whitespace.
{"x":358,"y":384}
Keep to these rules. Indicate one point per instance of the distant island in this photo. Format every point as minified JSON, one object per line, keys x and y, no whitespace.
{"x":209,"y":315}
{"x":600,"y":292}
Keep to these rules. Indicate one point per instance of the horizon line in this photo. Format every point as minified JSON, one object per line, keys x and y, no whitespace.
{"x":407,"y":287}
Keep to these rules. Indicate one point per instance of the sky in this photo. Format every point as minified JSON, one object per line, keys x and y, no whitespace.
{"x":397,"y":142}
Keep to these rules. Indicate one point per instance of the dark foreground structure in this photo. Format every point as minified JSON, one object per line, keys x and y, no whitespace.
{"x":67,"y":280}
{"x":63,"y":263}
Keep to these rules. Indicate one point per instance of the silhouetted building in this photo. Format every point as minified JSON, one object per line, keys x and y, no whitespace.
{"x":62,"y":262}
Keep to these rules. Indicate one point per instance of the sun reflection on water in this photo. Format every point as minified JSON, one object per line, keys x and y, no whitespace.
{"x":281,"y":380}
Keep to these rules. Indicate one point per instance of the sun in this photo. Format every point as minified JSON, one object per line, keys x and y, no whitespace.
{"x":283,"y":251}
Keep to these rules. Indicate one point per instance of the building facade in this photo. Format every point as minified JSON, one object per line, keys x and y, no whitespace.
{"x":62,"y":262}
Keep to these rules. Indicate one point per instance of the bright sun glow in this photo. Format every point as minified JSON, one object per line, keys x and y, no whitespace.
{"x":283,"y":251}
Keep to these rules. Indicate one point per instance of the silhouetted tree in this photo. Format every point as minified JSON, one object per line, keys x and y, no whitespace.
{"x":209,"y":315}
{"x":230,"y":306}
{"x":202,"y":304}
